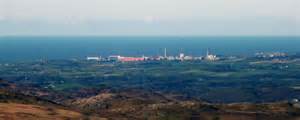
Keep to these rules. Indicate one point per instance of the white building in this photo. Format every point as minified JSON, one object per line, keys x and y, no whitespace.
{"x":93,"y":58}
{"x":171,"y":58}
{"x":181,"y":56}
{"x":188,"y":58}
{"x":211,"y":57}
{"x":198,"y":58}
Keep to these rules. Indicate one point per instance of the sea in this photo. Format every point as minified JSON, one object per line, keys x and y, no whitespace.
{"x":28,"y":48}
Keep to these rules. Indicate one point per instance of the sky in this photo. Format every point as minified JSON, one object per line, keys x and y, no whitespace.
{"x":150,"y":17}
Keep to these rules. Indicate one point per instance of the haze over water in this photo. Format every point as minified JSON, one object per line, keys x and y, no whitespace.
{"x":33,"y":48}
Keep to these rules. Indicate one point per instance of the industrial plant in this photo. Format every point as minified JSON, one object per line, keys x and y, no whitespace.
{"x":180,"y":57}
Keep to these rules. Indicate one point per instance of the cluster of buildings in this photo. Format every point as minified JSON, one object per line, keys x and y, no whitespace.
{"x":270,"y":54}
{"x":180,"y":57}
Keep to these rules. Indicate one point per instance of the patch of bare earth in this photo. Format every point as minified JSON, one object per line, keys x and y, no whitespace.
{"x":16,"y":111}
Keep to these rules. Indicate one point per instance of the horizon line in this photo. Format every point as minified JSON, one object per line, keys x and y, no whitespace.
{"x":149,"y":35}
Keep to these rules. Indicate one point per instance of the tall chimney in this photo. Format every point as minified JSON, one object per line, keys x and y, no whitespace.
{"x":165,"y":53}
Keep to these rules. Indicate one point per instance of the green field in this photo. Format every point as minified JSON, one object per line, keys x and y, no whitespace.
{"x":247,"y":80}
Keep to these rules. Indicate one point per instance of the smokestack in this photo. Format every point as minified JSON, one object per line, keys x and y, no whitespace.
{"x":165,"y":53}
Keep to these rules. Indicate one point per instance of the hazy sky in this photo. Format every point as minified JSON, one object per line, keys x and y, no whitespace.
{"x":150,"y":17}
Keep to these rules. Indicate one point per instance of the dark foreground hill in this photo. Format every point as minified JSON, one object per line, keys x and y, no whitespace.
{"x":133,"y":104}
{"x":139,"y":105}
{"x":18,"y":106}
